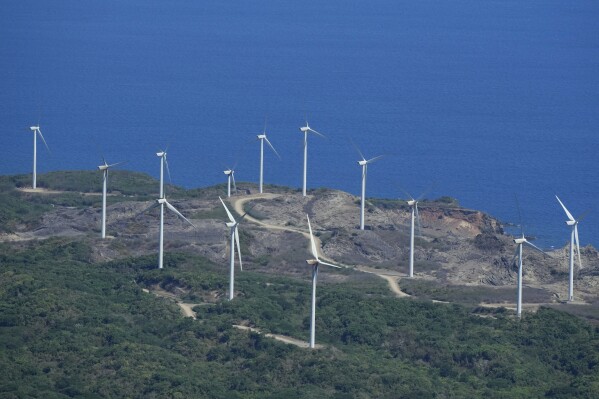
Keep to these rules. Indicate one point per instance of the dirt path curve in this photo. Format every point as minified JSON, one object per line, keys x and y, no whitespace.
{"x":279,"y":337}
{"x":392,"y":277}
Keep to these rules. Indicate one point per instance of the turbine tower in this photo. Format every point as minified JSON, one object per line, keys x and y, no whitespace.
{"x":162,"y":202}
{"x":307,"y":129}
{"x":104,"y":169}
{"x":520,"y":242}
{"x":364,"y":164}
{"x":413,"y":204}
{"x":36,"y":130}
{"x":230,"y":173}
{"x":315,"y":262}
{"x":232,"y":225}
{"x":262,"y":137}
{"x":573,"y":239}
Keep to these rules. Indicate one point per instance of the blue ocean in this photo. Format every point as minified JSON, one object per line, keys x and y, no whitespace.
{"x":484,"y":100}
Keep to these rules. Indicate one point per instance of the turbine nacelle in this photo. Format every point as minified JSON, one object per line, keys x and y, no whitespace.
{"x":34,"y":128}
{"x":305,"y":129}
{"x":261,"y":136}
{"x":161,"y":154}
{"x":103,"y":167}
{"x":362,"y":162}
{"x":229,"y":172}
{"x":571,"y":222}
{"x":312,"y":262}
{"x":521,"y":240}
{"x":412,"y":202}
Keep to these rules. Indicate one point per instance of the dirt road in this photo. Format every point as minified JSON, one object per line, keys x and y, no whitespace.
{"x":392,"y":277}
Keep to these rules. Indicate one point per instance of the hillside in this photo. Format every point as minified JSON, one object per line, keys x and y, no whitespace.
{"x":85,"y":318}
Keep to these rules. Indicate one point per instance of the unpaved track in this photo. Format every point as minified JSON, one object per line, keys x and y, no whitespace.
{"x":392,"y":277}
{"x":279,"y":337}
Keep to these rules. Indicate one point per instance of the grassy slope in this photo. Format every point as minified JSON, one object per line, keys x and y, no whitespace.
{"x":69,"y":328}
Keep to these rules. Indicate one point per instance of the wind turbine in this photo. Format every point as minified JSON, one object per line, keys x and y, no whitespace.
{"x":364,"y":164}
{"x":232,"y":225}
{"x":573,"y":238}
{"x":307,"y":129}
{"x":162,"y":202}
{"x":36,"y":130}
{"x":520,"y":242}
{"x":314,"y":263}
{"x":262,"y":137}
{"x":104,"y":169}
{"x":413,"y":204}
{"x":230,"y":173}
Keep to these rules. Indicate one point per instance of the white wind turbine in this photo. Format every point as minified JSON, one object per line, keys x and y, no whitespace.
{"x":573,"y":239}
{"x":104,"y":169}
{"x":413,"y":204}
{"x":262,"y":137}
{"x":307,"y":129}
{"x":230,"y":173}
{"x":162,"y":202}
{"x":520,"y":242}
{"x":36,"y":130}
{"x":232,"y":225}
{"x":314,"y":263}
{"x":364,"y":164}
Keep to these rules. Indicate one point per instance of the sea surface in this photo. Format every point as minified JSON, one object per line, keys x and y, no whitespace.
{"x":484,"y":100}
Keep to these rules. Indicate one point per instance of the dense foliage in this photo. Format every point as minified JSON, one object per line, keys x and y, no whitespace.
{"x":72,"y":328}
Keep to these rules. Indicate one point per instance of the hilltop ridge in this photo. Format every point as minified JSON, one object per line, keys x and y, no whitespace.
{"x":459,"y":250}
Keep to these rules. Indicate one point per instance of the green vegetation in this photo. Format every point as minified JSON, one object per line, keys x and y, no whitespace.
{"x":73,"y":328}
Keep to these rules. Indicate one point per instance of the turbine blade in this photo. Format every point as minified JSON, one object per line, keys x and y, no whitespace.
{"x":515,"y":255}
{"x":245,"y":214}
{"x":154,"y":205}
{"x":374,"y":159}
{"x":418,"y":219}
{"x":238,"y":247}
{"x":428,"y":190}
{"x":583,"y":215}
{"x":168,"y":172}
{"x":565,"y":209}
{"x":357,"y":149}
{"x":406,"y":193}
{"x":234,"y":185}
{"x":577,"y":246}
{"x":320,"y":134}
{"x":273,"y":148}
{"x":115,"y":164}
{"x":312,"y":242}
{"x":43,"y":139}
{"x":231,"y":218}
{"x":519,"y":215}
{"x":172,"y":208}
{"x":328,"y":264}
{"x":537,"y":248}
